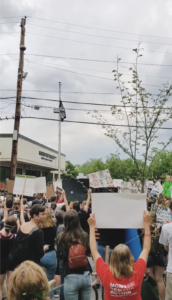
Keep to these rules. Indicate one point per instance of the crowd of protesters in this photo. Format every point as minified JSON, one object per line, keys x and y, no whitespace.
{"x":46,"y":244}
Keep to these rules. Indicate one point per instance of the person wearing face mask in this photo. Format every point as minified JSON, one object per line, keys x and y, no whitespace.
{"x":29,"y":242}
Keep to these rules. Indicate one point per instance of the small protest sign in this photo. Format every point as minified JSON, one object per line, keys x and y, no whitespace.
{"x":40,"y":185}
{"x":10,"y":186}
{"x":50,"y":192}
{"x":162,"y":214}
{"x":100,"y":179}
{"x":24,"y":185}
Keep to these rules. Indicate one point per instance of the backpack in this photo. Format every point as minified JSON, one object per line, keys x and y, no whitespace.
{"x":77,"y":257}
{"x":20,"y":249}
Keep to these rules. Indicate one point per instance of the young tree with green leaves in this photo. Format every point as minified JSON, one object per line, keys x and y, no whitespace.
{"x":144,"y":115}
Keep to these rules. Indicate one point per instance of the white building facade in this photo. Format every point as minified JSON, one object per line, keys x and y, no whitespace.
{"x":33,"y":158}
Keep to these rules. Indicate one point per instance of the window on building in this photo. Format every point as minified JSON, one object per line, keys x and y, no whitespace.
{"x":33,"y":173}
{"x":19,"y":171}
{"x":4,"y":173}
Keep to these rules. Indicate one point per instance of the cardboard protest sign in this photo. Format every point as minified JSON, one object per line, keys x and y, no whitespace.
{"x":24,"y":185}
{"x":50,"y":192}
{"x":10,"y":186}
{"x":100,"y":179}
{"x":162,"y":214}
{"x":40,"y":185}
{"x":115,"y":210}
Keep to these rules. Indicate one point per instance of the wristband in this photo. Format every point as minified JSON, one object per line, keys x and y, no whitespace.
{"x":148,"y":235}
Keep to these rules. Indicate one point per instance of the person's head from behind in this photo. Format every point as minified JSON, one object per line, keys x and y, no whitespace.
{"x":71,"y":220}
{"x":121,"y":262}
{"x":76,"y":206}
{"x":9,"y":203}
{"x":59,"y":217}
{"x":37,"y":213}
{"x":73,"y":230}
{"x":53,"y":205}
{"x":9,"y":224}
{"x":24,"y":201}
{"x":82,"y":204}
{"x":28,"y":282}
{"x":16,"y":205}
{"x":47,"y":221}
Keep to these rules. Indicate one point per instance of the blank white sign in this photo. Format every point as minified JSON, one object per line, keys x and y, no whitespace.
{"x":20,"y":184}
{"x":116,"y":210}
{"x":40,"y":185}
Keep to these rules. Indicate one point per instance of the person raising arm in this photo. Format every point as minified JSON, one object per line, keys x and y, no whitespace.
{"x":123,"y":278}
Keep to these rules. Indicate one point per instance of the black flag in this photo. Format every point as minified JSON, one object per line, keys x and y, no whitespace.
{"x":62,"y":111}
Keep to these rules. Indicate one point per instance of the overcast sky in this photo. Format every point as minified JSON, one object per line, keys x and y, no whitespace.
{"x":51,"y":31}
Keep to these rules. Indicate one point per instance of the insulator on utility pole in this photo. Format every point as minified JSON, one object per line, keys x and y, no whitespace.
{"x":18,"y":101}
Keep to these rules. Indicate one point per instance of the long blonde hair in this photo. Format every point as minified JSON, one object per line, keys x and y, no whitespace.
{"x":48,"y":221}
{"x":28,"y":282}
{"x":121,"y":262}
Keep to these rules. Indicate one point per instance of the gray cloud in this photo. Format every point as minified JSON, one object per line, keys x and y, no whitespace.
{"x":80,"y":142}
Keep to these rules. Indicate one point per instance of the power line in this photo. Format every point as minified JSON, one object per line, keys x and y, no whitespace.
{"x":123,"y":32}
{"x":88,"y":75}
{"x":91,"y":123}
{"x":97,"y":60}
{"x":64,"y":92}
{"x":43,"y":91}
{"x":87,"y":103}
{"x":71,"y":71}
{"x":100,"y":36}
{"x":93,"y":70}
{"x":102,"y":45}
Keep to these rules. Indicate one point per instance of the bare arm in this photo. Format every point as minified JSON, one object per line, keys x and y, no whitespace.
{"x":166,"y":248}
{"x":93,"y":246}
{"x":65,"y":201}
{"x":147,"y":237}
{"x":5,"y":210}
{"x":22,"y":220}
{"x":88,"y":201}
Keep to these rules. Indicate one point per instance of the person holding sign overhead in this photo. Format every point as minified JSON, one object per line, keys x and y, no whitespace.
{"x":123,"y":278}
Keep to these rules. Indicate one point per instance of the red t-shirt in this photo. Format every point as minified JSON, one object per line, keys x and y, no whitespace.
{"x":60,"y":199}
{"x":119,"y":289}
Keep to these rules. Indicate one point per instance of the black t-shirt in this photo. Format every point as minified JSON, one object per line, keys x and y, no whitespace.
{"x":83,"y":217}
{"x":111,"y":237}
{"x":35,"y":252}
{"x":49,"y":237}
{"x":6,"y":243}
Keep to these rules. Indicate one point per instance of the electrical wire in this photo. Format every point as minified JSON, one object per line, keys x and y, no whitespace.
{"x":96,"y":60}
{"x":93,"y":70}
{"x":86,"y":103}
{"x":99,"y":36}
{"x":90,"y":123}
{"x":83,"y":26}
{"x":88,"y":75}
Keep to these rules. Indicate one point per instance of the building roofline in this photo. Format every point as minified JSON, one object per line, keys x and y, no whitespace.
{"x":9,"y":135}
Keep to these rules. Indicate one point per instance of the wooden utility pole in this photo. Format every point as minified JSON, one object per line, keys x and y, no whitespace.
{"x":18,"y":101}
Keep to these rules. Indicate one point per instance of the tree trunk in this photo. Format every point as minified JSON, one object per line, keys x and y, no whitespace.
{"x":142,"y":185}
